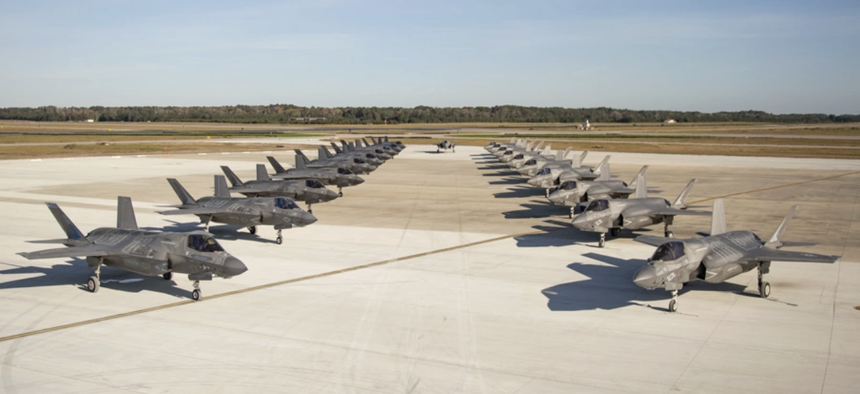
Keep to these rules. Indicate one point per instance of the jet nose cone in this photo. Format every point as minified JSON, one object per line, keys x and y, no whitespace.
{"x":556,"y":198}
{"x":308,"y":218}
{"x":234,"y":266}
{"x":580,"y":222}
{"x":646,"y":277}
{"x":358,"y":180}
{"x":330,"y":194}
{"x":534,"y":182}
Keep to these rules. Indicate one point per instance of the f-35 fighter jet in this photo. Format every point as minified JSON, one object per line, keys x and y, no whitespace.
{"x":612,"y":216}
{"x":551,"y":176}
{"x":531,"y":166}
{"x":717,"y":257}
{"x":141,"y":251}
{"x":573,"y":193}
{"x":280,"y":212}
{"x":310,"y":191}
{"x":445,"y":145}
{"x":354,"y":164}
{"x":340,"y":177}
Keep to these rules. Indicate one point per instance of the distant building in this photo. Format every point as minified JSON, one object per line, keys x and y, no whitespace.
{"x":307,"y":119}
{"x":90,"y":120}
{"x":669,"y":121}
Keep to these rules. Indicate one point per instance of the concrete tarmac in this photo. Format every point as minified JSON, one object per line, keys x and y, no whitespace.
{"x":441,"y":273}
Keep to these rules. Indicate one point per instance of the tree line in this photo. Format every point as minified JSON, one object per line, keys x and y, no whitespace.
{"x":287,"y":113}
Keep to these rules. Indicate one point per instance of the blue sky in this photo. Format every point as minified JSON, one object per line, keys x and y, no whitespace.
{"x":777,"y":56}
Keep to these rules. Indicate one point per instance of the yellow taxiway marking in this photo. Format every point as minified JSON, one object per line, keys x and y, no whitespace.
{"x":254,"y":288}
{"x":776,"y":187}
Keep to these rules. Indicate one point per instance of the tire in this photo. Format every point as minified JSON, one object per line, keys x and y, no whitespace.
{"x":252,"y":229}
{"x":673,"y":306}
{"x":168,"y":276}
{"x":340,"y":194}
{"x":601,"y":243}
{"x":196,"y":295}
{"x":669,"y":234}
{"x":279,"y":240}
{"x":764,"y":289}
{"x":93,"y":284}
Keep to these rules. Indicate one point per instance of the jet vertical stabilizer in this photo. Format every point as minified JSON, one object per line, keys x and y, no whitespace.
{"x":279,"y":169}
{"x":774,"y":241}
{"x":641,"y":187}
{"x":262,"y":174}
{"x":183,"y":194}
{"x":679,"y":203}
{"x":718,"y":218}
{"x":125,"y":214}
{"x":221,"y":189}
{"x":234,"y":180}
{"x":73,"y":234}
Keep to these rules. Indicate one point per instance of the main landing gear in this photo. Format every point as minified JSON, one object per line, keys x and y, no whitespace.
{"x":310,"y":210}
{"x":252,"y":229}
{"x":167,"y":275}
{"x":666,"y":232}
{"x":763,"y":287}
{"x":279,"y":240}
{"x":339,"y":191}
{"x":94,"y":281}
{"x":196,"y":294}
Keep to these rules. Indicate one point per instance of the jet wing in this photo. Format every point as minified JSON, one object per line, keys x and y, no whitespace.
{"x":75,"y":251}
{"x":768,"y":254}
{"x":652,"y":240}
{"x":672,"y":211}
{"x":210,"y":211}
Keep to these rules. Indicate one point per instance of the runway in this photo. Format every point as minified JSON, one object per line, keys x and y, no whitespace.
{"x":441,"y":273}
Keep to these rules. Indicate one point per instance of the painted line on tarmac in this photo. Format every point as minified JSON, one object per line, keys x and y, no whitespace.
{"x":776,"y":187}
{"x":260,"y":287}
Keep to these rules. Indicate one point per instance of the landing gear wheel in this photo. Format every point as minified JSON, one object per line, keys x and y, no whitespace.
{"x":764,"y":289}
{"x":167,"y":276}
{"x":340,"y":194}
{"x":279,"y":240}
{"x":93,"y":284}
{"x":673,"y":306}
{"x":252,"y":229}
{"x":669,"y":234}
{"x":570,"y":214}
{"x":614,"y":231}
{"x":196,"y":295}
{"x":602,"y":241}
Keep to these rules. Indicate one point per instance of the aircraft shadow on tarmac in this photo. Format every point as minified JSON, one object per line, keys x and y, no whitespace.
{"x":75,"y":272}
{"x":519,"y":192}
{"x":610,"y":286}
{"x":535,"y":209}
{"x":511,"y":181}
{"x":562,"y":233}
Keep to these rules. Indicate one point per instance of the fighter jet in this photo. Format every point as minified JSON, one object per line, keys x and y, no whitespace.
{"x":354,"y":164}
{"x":717,"y":257}
{"x":531,"y":166}
{"x":387,"y":147}
{"x":445,"y":145}
{"x":340,"y":177}
{"x":143,"y":252}
{"x":611,"y":216}
{"x":309,"y":190}
{"x":519,"y":158}
{"x":574,"y":193}
{"x":280,"y":212}
{"x":379,"y":151}
{"x":494,"y":147}
{"x":350,"y":151}
{"x":551,"y":176}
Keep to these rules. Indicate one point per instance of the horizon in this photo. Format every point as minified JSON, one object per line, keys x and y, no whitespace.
{"x":779,"y":57}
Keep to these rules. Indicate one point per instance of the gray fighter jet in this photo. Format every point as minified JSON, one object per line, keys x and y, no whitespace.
{"x":350,"y":151}
{"x":309,"y":190}
{"x":612,"y":216}
{"x":520,"y":158}
{"x":552,"y":176}
{"x":280,"y":212}
{"x":380,"y":153}
{"x":445,"y":145}
{"x":325,"y":159}
{"x":143,"y":252}
{"x":531,"y":166}
{"x":340,"y":177}
{"x":389,"y":148}
{"x":573,"y":193}
{"x":717,"y":257}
